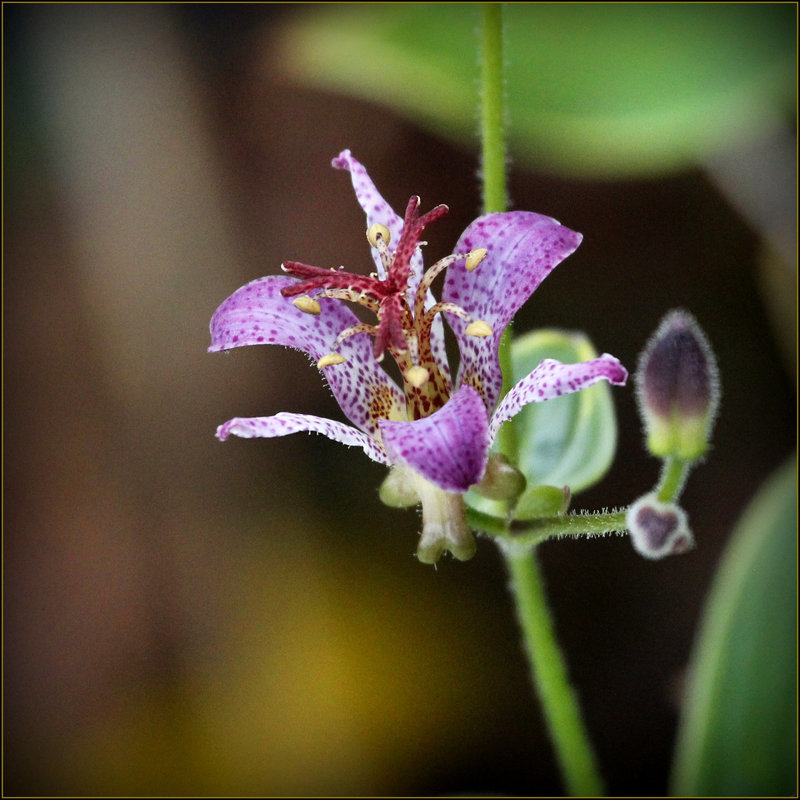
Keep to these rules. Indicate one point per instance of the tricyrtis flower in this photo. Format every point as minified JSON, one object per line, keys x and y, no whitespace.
{"x":435,"y":434}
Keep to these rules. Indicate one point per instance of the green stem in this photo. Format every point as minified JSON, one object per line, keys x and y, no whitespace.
{"x":562,"y":712}
{"x":493,"y":161}
{"x":493,"y":150}
{"x":673,"y":476}
{"x":548,"y":669}
{"x":507,"y":440}
{"x":535,"y":531}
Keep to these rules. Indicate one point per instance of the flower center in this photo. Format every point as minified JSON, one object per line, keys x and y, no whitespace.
{"x":404,"y":322}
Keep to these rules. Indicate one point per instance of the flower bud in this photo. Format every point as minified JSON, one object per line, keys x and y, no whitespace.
{"x":397,"y":491}
{"x":658,"y":529}
{"x":677,"y":386}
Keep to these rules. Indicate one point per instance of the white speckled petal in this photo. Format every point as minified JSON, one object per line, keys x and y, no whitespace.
{"x":449,"y":448}
{"x":522,"y":249}
{"x":378,"y":210}
{"x":285,"y":423}
{"x":258,"y":314}
{"x":552,"y":379}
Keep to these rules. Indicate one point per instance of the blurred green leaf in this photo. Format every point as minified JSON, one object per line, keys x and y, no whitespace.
{"x":567,"y":441}
{"x":738,"y":732}
{"x":593,"y":88}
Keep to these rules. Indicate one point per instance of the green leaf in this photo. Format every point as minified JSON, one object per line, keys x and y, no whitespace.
{"x":738,"y":733}
{"x":567,"y":441}
{"x":593,"y":89}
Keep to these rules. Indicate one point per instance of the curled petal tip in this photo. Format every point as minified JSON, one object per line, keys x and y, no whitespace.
{"x":342,"y":161}
{"x":617,"y":374}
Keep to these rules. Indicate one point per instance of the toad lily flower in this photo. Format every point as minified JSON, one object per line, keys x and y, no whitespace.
{"x":435,"y":435}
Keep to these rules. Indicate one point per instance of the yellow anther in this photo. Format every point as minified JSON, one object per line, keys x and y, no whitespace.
{"x":417,"y":376}
{"x":330,"y":360}
{"x":376,"y":230}
{"x":479,"y":328}
{"x":474,"y":257}
{"x":307,"y":304}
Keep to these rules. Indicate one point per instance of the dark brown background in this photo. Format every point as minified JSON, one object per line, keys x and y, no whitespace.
{"x":189,"y":617}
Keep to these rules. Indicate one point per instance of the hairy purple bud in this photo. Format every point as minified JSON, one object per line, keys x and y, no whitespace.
{"x":677,"y":385}
{"x":658,"y":529}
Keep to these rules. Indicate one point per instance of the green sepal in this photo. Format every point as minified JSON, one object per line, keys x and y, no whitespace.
{"x":542,"y":501}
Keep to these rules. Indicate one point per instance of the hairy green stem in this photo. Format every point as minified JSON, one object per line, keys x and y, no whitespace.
{"x":493,"y":162}
{"x":549,"y":671}
{"x":532,"y":532}
{"x":673,"y":476}
{"x":493,"y":147}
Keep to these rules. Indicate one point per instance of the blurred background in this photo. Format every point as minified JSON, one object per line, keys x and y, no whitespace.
{"x":185,"y":617}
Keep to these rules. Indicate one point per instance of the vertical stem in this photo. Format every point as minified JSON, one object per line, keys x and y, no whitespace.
{"x":493,"y":161}
{"x":493,"y":151}
{"x":673,"y":476}
{"x":548,"y":669}
{"x":562,"y":711}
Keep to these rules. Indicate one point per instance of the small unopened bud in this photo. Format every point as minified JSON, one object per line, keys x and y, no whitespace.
{"x":474,"y":257}
{"x":376,"y":230}
{"x":479,"y":328}
{"x":677,"y":385}
{"x":502,"y":480}
{"x":330,"y":360}
{"x":397,"y":491}
{"x":658,"y":529}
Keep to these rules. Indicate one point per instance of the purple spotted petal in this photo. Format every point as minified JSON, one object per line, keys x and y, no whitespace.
{"x":523,"y":248}
{"x":448,"y":448}
{"x":285,"y":423}
{"x":552,"y":379}
{"x":379,"y":211}
{"x":258,"y":314}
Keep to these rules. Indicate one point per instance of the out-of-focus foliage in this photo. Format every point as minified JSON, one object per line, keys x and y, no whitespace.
{"x":593,"y":89}
{"x":739,"y":734}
